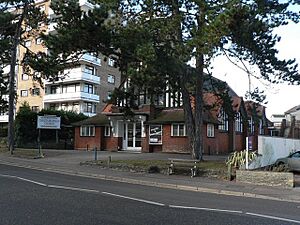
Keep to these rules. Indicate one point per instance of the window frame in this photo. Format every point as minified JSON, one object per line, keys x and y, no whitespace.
{"x":223,"y":118}
{"x":22,"y":93}
{"x":24,"y":75}
{"x":87,"y":131}
{"x":177,"y":134}
{"x":111,"y":81}
{"x":111,"y":62}
{"x":210,"y":130}
{"x":107,"y":132}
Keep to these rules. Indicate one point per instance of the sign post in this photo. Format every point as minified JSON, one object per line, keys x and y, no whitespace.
{"x":46,"y":122}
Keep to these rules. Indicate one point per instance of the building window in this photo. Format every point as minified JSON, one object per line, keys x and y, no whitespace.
{"x":261,"y":128}
{"x":42,"y":8}
{"x":24,"y":93}
{"x":251,"y":126}
{"x":35,"y":108}
{"x":27,"y":43}
{"x":90,"y":107}
{"x":178,"y":130}
{"x":88,"y":88}
{"x":107,"y":131}
{"x":109,"y":93}
{"x":87,"y":131}
{"x":89,"y":69}
{"x":111,"y":62}
{"x":223,"y":118}
{"x":155,"y":134}
{"x":38,"y":41}
{"x":238,"y":122}
{"x":25,"y":76}
{"x":210,"y":130}
{"x":111,"y":79}
{"x":54,"y":89}
{"x":35,"y":91}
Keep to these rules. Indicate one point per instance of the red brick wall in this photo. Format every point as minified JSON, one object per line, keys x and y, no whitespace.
{"x":239,"y":142}
{"x":81,"y":143}
{"x":112,"y":144}
{"x":174,"y":144}
{"x":222,"y":142}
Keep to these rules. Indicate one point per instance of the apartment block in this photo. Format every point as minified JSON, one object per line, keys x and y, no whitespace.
{"x":84,"y":88}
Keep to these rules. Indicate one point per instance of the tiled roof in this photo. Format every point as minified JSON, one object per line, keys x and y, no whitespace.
{"x":98,"y":120}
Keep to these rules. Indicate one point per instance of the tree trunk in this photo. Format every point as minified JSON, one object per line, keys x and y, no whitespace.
{"x":12,"y":77}
{"x":198,"y":147}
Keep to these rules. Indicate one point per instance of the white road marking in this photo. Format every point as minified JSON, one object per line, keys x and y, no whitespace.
{"x":273,"y":217}
{"x":27,"y":180}
{"x":73,"y":188}
{"x":206,"y":209}
{"x":134,"y":199}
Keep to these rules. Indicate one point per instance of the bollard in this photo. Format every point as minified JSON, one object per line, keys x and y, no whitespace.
{"x":229,"y":172}
{"x":108,"y":161}
{"x":95,"y":153}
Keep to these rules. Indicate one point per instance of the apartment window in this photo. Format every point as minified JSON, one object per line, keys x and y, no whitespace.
{"x":35,"y":91}
{"x":223,"y":118}
{"x":87,"y":131}
{"x":88,"y":88}
{"x":27,"y":43}
{"x":90,"y":107}
{"x":38,"y":41}
{"x":42,"y":8}
{"x":238,"y":122}
{"x":111,"y":79}
{"x":107,"y":131}
{"x":210,"y":130}
{"x":178,"y":130}
{"x":24,"y":93}
{"x":89,"y":69}
{"x":155,"y":134}
{"x":35,"y":108}
{"x":54,"y":89}
{"x":111,"y":62}
{"x":25,"y":76}
{"x":53,"y":106}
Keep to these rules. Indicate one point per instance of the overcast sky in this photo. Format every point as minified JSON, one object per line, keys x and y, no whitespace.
{"x":280,"y":97}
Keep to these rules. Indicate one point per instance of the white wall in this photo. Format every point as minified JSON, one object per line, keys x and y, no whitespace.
{"x":273,"y":148}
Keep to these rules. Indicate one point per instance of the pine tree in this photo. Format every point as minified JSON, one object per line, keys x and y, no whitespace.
{"x":153,"y":42}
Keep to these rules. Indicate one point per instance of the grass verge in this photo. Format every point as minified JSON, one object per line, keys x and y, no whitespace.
{"x":206,"y":168}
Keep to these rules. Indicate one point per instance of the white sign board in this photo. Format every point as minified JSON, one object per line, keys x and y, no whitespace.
{"x":48,"y":122}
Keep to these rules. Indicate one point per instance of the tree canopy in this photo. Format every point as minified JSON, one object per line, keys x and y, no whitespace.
{"x":153,"y":42}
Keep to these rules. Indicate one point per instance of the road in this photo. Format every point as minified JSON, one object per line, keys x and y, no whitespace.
{"x":36,"y":197}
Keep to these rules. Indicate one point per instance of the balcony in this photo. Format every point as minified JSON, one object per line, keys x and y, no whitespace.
{"x":89,"y":114}
{"x":3,"y":118}
{"x":76,"y":96}
{"x":86,"y":5}
{"x":91,"y":59}
{"x":76,"y":74}
{"x":51,"y":28}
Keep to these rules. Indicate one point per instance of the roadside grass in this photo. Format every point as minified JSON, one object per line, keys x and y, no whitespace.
{"x":21,"y":153}
{"x":206,"y":168}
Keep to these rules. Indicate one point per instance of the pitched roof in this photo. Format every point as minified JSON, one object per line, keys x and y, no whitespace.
{"x":253,"y":107}
{"x":98,"y":120}
{"x":294,"y":109}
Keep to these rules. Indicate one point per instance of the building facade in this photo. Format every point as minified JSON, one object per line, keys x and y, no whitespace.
{"x":162,"y":128}
{"x":83,"y":89}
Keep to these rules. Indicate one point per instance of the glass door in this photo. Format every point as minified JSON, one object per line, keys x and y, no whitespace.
{"x":133,"y":135}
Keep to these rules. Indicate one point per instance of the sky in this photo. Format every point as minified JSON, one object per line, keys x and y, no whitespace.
{"x":280,"y":97}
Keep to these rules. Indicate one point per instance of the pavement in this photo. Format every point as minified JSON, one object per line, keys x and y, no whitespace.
{"x":68,"y":162}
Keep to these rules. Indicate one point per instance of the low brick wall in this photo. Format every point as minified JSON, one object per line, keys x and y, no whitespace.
{"x":267,"y":178}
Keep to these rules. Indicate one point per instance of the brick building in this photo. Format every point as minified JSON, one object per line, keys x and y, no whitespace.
{"x":156,"y":128}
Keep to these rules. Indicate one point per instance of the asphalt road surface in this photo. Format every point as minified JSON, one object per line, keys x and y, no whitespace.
{"x":41,"y":198}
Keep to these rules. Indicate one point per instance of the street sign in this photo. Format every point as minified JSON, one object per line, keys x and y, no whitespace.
{"x":48,"y":122}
